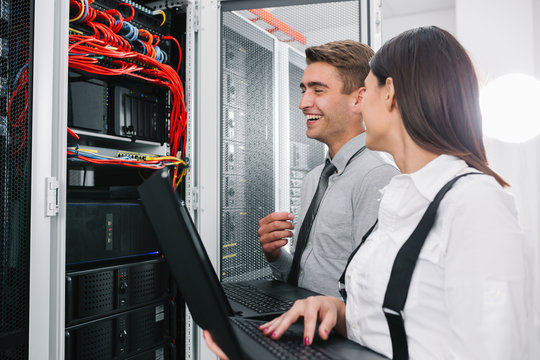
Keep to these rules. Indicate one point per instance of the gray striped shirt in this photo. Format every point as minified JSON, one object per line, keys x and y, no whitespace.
{"x":348,"y":209}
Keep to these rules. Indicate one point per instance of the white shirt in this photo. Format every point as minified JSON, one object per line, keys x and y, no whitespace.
{"x":470,"y":295}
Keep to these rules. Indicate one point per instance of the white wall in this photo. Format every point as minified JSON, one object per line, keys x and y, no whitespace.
{"x":502,"y":37}
{"x":392,"y":26}
{"x":536,"y":17}
{"x":499,"y":34}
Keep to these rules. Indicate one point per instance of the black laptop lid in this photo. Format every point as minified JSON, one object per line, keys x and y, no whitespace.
{"x":188,"y":260}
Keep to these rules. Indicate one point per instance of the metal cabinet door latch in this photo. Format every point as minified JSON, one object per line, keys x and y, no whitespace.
{"x":51,"y":196}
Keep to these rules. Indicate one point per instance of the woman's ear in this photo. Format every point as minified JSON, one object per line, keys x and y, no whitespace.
{"x":390,"y":98}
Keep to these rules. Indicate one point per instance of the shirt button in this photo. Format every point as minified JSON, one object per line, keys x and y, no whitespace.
{"x":309,"y":243}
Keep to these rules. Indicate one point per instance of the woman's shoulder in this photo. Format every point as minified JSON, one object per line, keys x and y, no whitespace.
{"x":480,"y":192}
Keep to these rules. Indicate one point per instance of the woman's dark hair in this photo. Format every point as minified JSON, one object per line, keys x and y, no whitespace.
{"x":436,"y":92}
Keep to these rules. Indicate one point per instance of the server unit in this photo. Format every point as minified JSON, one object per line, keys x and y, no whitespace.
{"x":107,"y":290}
{"x":124,"y":335}
{"x":98,"y":231}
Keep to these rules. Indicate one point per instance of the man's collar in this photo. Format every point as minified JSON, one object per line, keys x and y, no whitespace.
{"x":347,"y":151}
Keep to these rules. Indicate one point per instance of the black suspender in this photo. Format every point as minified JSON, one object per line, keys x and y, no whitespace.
{"x":402,"y":270}
{"x":341,"y":282}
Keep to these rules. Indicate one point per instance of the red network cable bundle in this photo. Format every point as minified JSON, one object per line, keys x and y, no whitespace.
{"x":120,"y":81}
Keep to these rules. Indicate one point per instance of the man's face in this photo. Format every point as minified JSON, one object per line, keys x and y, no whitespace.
{"x":327,"y":110}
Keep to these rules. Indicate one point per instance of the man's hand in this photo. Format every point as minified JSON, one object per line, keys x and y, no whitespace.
{"x":273,"y":231}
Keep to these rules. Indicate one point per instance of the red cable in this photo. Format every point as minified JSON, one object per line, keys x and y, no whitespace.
{"x":130,"y":63}
{"x":132,"y":11}
{"x":72,"y":133}
{"x":179,"y":50}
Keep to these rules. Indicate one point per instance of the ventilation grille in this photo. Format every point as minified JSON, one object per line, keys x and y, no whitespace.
{"x":95,"y":341}
{"x":15,"y":156}
{"x":103,"y":291}
{"x":147,"y":326}
{"x":120,"y":336}
{"x":163,"y":352}
{"x":247,"y":188}
{"x":96,"y":293}
{"x":146,"y":283}
{"x":14,"y":353}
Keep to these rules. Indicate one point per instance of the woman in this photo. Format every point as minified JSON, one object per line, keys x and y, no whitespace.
{"x":469,"y":295}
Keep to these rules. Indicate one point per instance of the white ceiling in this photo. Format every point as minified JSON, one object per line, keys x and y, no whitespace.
{"x":396,"y":8}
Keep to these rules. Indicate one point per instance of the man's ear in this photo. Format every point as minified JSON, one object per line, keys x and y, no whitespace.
{"x":358,"y":97}
{"x":390,"y":97}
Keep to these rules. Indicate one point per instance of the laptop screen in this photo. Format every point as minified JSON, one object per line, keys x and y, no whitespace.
{"x":188,"y":261}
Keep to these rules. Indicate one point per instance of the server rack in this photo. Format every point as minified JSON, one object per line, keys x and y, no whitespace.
{"x":125,"y":116}
{"x":265,"y":153}
{"x":62,"y":308}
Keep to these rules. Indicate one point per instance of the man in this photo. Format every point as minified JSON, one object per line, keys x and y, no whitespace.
{"x":341,"y":201}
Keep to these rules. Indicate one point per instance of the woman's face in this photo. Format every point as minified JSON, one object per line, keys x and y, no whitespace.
{"x":375,"y":114}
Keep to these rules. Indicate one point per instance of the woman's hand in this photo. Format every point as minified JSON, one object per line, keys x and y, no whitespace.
{"x":213,"y":346}
{"x":329,"y":310}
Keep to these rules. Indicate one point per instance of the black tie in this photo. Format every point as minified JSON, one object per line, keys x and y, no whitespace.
{"x":303,"y":235}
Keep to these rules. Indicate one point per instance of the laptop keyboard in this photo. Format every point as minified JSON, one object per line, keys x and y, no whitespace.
{"x":255,"y":298}
{"x":289,"y":346}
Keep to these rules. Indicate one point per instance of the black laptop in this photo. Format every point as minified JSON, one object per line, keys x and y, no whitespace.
{"x":204,"y":295}
{"x":254,"y":298}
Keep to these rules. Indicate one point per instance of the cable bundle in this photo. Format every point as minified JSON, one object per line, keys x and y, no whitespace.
{"x":113,"y":38}
{"x":157,"y":162}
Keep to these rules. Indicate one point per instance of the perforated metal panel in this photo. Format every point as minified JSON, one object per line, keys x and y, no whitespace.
{"x":147,"y":282}
{"x":315,"y":23}
{"x":96,"y":341}
{"x":253,"y":92}
{"x":123,"y":335}
{"x":15,"y":155}
{"x":96,"y":293}
{"x":148,"y":327}
{"x":102,"y":291}
{"x":247,"y":147}
{"x":163,"y":352}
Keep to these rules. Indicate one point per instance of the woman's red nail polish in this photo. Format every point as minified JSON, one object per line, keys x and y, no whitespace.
{"x":306,"y":340}
{"x":325,"y":331}
{"x":274,"y":334}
